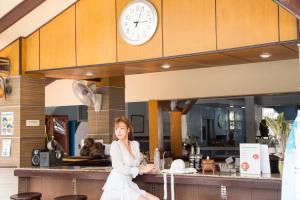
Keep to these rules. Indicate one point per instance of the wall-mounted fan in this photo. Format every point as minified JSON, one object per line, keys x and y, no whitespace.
{"x":87,"y":94}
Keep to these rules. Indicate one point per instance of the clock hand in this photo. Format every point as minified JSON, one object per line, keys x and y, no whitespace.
{"x":139,"y":17}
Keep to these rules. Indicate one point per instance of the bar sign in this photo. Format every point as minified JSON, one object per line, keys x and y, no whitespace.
{"x":32,"y":122}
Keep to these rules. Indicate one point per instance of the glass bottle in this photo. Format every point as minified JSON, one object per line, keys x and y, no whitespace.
{"x":157,"y":159}
{"x":198,"y":158}
{"x":192,"y":157}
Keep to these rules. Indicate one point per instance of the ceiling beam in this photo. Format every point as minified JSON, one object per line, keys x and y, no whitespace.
{"x":18,"y":12}
{"x":293,"y":6}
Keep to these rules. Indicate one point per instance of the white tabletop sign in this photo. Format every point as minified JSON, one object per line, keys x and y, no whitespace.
{"x":264,"y":159}
{"x":250,"y":162}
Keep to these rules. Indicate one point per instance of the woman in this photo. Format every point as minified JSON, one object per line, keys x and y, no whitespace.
{"x":125,"y":158}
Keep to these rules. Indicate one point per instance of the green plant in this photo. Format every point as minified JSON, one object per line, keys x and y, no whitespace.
{"x":192,"y":140}
{"x":281,"y":130}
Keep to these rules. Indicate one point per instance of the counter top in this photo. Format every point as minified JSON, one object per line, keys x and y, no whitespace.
{"x":100,"y":173}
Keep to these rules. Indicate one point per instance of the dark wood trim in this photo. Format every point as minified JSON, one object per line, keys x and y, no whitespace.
{"x":298,"y":31}
{"x":292,"y":6}
{"x":223,"y":51}
{"x":20,"y":55}
{"x":242,"y":182}
{"x":75,"y":7}
{"x":18,"y":12}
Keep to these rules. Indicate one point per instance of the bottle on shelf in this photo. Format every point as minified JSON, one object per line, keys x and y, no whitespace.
{"x":198,"y":158}
{"x":192,"y":157}
{"x":157,"y":159}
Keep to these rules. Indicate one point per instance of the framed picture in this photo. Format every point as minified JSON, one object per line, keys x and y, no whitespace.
{"x":137,"y":123}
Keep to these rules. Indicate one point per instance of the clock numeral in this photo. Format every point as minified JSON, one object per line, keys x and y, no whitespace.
{"x":128,"y":17}
{"x":137,"y":7}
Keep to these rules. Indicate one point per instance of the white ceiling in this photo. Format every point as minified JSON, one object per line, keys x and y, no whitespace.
{"x":33,"y":20}
{"x":7,"y":5}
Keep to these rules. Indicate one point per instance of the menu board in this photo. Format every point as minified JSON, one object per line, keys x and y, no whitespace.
{"x":250,"y":161}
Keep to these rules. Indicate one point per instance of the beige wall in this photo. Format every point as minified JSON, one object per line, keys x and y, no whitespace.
{"x":60,"y":93}
{"x":246,"y":79}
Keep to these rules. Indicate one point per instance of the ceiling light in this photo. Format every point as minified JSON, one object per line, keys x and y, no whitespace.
{"x":265,"y":55}
{"x":243,"y":107}
{"x":231,"y":106}
{"x":298,"y":44}
{"x":166,"y":66}
{"x":89,"y":74}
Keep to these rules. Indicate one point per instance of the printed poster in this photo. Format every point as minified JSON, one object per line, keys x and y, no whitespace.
{"x":6,"y":144}
{"x":7,"y":121}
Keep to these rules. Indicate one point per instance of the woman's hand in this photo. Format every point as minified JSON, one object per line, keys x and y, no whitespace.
{"x":146,"y":168}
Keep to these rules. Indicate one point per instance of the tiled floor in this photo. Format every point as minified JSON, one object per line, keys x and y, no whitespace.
{"x":8,"y":183}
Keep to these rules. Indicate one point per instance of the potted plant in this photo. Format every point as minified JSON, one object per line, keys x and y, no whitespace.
{"x":281,"y":130}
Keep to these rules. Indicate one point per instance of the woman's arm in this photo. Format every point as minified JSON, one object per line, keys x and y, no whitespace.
{"x":118,"y":163}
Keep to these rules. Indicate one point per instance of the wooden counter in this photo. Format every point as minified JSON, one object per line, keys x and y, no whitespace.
{"x":89,"y":180}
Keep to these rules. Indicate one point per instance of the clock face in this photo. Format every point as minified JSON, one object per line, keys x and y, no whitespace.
{"x":138,"y":22}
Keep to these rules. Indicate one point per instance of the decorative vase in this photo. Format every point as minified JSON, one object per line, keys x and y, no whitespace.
{"x":280,"y":166}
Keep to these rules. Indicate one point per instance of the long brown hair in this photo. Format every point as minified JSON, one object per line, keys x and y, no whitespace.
{"x":128,"y":124}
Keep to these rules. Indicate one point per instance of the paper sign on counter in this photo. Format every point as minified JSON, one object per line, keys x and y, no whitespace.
{"x":250,"y":159}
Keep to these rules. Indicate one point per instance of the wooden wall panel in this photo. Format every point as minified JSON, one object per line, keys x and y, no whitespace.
{"x":12,"y":52}
{"x":246,"y":22}
{"x":287,"y":25}
{"x":57,"y":41}
{"x":176,"y":133}
{"x":151,"y":49}
{"x":95,"y":32}
{"x":188,"y":26}
{"x":26,"y":146}
{"x":32,"y":52}
{"x":32,"y":92}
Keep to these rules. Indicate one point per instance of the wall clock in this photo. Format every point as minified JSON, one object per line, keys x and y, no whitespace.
{"x":138,"y":22}
{"x":221,"y":120}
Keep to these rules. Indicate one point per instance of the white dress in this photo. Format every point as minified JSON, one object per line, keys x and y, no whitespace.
{"x":119,"y":185}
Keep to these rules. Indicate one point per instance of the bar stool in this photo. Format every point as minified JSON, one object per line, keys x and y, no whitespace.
{"x":27,"y":196}
{"x":71,"y":197}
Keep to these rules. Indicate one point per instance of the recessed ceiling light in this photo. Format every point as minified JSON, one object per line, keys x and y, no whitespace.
{"x":89,"y":74}
{"x":265,"y":55}
{"x":166,"y":66}
{"x":231,"y":106}
{"x":243,"y":107}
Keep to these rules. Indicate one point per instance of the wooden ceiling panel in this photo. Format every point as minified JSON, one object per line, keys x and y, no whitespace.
{"x":292,"y":46}
{"x":210,"y":60}
{"x":278,"y":52}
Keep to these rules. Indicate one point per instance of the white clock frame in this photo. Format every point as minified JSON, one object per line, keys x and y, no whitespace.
{"x":150,"y":32}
